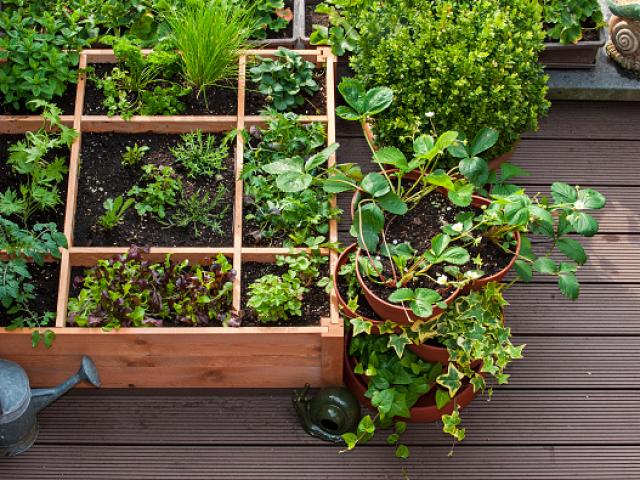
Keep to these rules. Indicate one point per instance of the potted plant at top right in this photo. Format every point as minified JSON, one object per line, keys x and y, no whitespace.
{"x":574,"y":31}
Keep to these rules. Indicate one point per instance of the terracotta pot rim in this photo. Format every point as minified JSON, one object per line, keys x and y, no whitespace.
{"x":342,"y":260}
{"x":390,"y":305}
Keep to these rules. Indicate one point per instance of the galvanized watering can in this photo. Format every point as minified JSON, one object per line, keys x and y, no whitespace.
{"x":19,"y":404}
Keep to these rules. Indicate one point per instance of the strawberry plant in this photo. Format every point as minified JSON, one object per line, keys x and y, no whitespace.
{"x":284,"y":80}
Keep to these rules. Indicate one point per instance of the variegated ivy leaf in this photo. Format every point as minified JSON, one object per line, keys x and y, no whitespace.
{"x":360,"y":326}
{"x":452,"y":380}
{"x":398,"y":343}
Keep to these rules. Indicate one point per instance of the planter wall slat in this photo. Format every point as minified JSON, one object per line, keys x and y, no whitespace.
{"x":182,"y":356}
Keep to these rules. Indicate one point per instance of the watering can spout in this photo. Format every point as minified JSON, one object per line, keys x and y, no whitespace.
{"x":43,"y":397}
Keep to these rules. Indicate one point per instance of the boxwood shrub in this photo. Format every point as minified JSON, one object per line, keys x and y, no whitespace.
{"x":473,"y":63}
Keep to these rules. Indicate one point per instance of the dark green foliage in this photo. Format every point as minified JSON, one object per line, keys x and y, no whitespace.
{"x":271,"y":15}
{"x":201,"y":212}
{"x":284,"y":80}
{"x":199,"y":154}
{"x":142,"y":85}
{"x":567,"y":19}
{"x":16,"y":288}
{"x":296,"y":216}
{"x":128,"y":291}
{"x":159,"y":192}
{"x":472,"y":63}
{"x":40,"y":49}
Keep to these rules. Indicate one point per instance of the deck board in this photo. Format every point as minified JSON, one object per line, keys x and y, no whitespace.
{"x":218,"y":418}
{"x":295,"y":463}
{"x":570,"y":412}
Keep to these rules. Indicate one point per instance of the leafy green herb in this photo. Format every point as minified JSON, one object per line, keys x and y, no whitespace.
{"x":114,"y":211}
{"x":133,"y":155}
{"x":162,"y":187}
{"x":202,"y":212}
{"x":199,"y":154}
{"x":128,"y":291}
{"x":210,"y":35}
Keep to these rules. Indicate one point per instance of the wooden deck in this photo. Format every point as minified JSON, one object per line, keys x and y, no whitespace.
{"x":572,"y":409}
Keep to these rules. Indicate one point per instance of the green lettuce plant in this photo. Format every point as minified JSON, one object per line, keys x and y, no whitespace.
{"x":280,"y":297}
{"x":129,"y":291}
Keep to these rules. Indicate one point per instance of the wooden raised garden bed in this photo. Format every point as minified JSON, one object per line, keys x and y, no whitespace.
{"x":183,"y":356}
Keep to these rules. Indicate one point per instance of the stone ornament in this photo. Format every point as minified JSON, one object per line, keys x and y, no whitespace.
{"x":623,"y":45}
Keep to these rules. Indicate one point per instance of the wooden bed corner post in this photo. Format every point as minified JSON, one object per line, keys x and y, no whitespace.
{"x":332,"y":355}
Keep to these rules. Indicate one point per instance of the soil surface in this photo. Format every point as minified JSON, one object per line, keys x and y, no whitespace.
{"x":315,"y":302}
{"x":45,"y":279}
{"x":102,"y":176}
{"x":8,"y":179}
{"x":316,"y":104}
{"x":311,"y":18}
{"x":251,"y":235}
{"x":66,"y":102}
{"x":222,"y":100}
{"x":427,"y":218}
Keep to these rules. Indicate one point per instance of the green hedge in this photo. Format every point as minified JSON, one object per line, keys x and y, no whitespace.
{"x":473,"y":63}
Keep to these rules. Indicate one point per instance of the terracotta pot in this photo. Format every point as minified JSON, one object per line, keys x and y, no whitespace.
{"x":396,"y":313}
{"x":427,"y":352}
{"x":425,"y":409}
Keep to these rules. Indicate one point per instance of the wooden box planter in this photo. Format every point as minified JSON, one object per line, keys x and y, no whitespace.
{"x":582,"y":55}
{"x":281,"y":357}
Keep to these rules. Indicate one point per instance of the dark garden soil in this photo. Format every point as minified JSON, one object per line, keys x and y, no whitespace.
{"x":102,"y":176}
{"x":311,"y":18}
{"x":222,"y":100}
{"x":315,"y":303}
{"x":45,"y":279}
{"x":423,"y":223}
{"x":8,"y":179}
{"x":251,"y":236}
{"x":66,"y":102}
{"x":314,"y":105}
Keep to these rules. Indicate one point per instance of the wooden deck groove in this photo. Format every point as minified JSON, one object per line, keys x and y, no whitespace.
{"x":571,"y":410}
